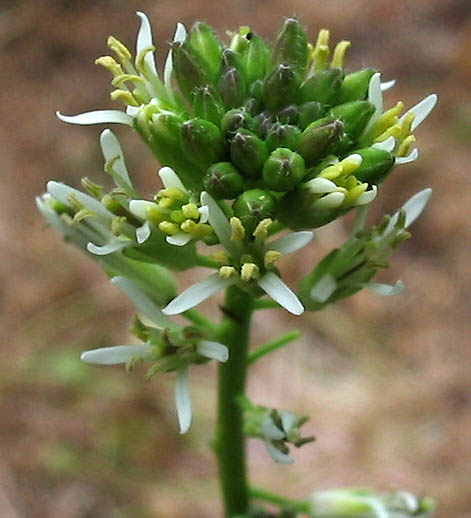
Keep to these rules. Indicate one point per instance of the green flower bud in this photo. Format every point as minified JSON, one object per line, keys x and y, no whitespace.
{"x":375,"y":166}
{"x":288,"y":115}
{"x":254,"y":59}
{"x":253,"y":206}
{"x":283,"y":170}
{"x":322,"y":87}
{"x":303,"y":209}
{"x":240,"y":40}
{"x":355,"y":86}
{"x":202,"y":142}
{"x":263,"y":123}
{"x":310,"y":112}
{"x":318,"y":138}
{"x":208,"y":105}
{"x":223,"y":181}
{"x":188,"y":69}
{"x":256,"y":91}
{"x":291,"y":46}
{"x":232,"y":88}
{"x":248,"y":153}
{"x":164,"y":140}
{"x":203,"y":42}
{"x":234,"y":120}
{"x":283,"y":135}
{"x":231,"y":59}
{"x":280,"y":87}
{"x":355,"y":116}
{"x":252,"y":106}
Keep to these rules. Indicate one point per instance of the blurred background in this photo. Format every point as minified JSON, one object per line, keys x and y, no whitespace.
{"x":385,"y":380}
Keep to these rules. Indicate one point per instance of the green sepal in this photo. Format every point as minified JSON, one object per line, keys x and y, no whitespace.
{"x":254,"y":59}
{"x":255,"y":90}
{"x":283,"y":135}
{"x":283,"y":170}
{"x":375,"y":166}
{"x":253,"y":206}
{"x":318,"y":139}
{"x":157,"y":250}
{"x":202,"y":142}
{"x":188,"y":69}
{"x":291,"y":46}
{"x":323,"y":87}
{"x":355,"y":86}
{"x":205,"y":44}
{"x":248,"y":153}
{"x":288,"y":115}
{"x":232,"y":88}
{"x":280,"y":87}
{"x":263,"y":123}
{"x":223,"y":181}
{"x":310,"y":112}
{"x":355,"y":116}
{"x":208,"y":105}
{"x":236,"y":119}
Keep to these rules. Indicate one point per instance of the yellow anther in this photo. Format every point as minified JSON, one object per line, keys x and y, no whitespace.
{"x":202,"y":230}
{"x":154,"y":215}
{"x":190,"y":210}
{"x":350,"y":183}
{"x":123,"y":78}
{"x":166,"y":203}
{"x":141,"y":65}
{"x":238,"y":230}
{"x":169,"y":228}
{"x":117,"y":225}
{"x":75,"y":204}
{"x":354,"y":193}
{"x":338,"y":59}
{"x":110,"y":64}
{"x":188,"y":226}
{"x":226,"y":272}
{"x":407,"y":125}
{"x":125,"y":96}
{"x":221,"y":256}
{"x":261,"y":232}
{"x":80,"y":216}
{"x":350,"y":164}
{"x":394,"y":131}
{"x":172,"y":192}
{"x":405,"y":145}
{"x":177,"y":216}
{"x":331,"y":172}
{"x":321,"y":51}
{"x":387,"y":119}
{"x":119,"y":49}
{"x":271,"y":257}
{"x":249,"y":271}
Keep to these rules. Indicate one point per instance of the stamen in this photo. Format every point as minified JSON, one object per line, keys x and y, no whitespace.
{"x":119,"y":49}
{"x":226,"y":272}
{"x":321,"y":51}
{"x":220,"y":256}
{"x":249,"y":271}
{"x":238,"y":230}
{"x":270,"y":258}
{"x":261,"y":232}
{"x":338,"y":59}
{"x":125,"y":96}
{"x":190,"y":210}
{"x":169,"y":228}
{"x":405,"y":145}
{"x":110,"y":64}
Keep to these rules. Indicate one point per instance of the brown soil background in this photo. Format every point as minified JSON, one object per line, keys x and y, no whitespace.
{"x":385,"y":381}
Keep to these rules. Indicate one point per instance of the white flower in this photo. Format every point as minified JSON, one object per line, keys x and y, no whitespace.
{"x":269,"y":282}
{"x":129,"y":353}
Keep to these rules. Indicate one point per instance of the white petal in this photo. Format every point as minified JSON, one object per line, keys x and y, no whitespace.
{"x":116,"y":354}
{"x":408,"y":500}
{"x":367,"y":196}
{"x":277,"y":455}
{"x":111,"y":149}
{"x":97,"y":117}
{"x":170,"y":179}
{"x":384,"y":289}
{"x":291,"y":242}
{"x":375,"y":96}
{"x":324,"y":288}
{"x":139,"y":208}
{"x":322,"y":185}
{"x":204,"y":214}
{"x":133,"y":110}
{"x":387,"y":145}
{"x":142,"y":302}
{"x":62,"y":193}
{"x":414,"y":207}
{"x":108,"y":248}
{"x":421,"y":110}
{"x":220,"y":224}
{"x":183,"y":400}
{"x":178,"y":239}
{"x":144,"y":39}
{"x":273,"y":286}
{"x":288,"y":420}
{"x":387,"y":85}
{"x":180,"y":35}
{"x":195,"y":294}
{"x":213,"y":350}
{"x":411,"y":157}
{"x":269,"y":429}
{"x":330,"y":201}
{"x":143,"y":233}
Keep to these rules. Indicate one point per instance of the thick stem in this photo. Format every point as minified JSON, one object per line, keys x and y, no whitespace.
{"x":230,"y":440}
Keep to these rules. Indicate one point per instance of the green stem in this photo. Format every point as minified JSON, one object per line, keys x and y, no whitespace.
{"x":301,"y":506}
{"x":197,"y":318}
{"x":265,"y":304}
{"x":230,"y":440}
{"x":273,"y":345}
{"x":207,"y":262}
